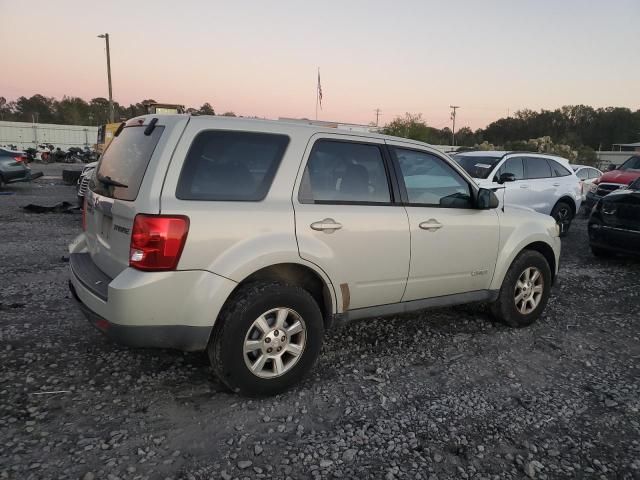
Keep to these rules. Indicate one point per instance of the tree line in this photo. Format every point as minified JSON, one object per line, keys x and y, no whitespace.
{"x":77,"y":111}
{"x":582,"y":128}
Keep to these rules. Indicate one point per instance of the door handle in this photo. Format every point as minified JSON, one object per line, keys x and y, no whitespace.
{"x":524,"y":186}
{"x":431,"y":225}
{"x":328,"y":225}
{"x":556,"y":184}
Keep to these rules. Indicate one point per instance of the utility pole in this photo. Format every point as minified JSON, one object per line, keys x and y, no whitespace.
{"x":111,"y":112}
{"x":453,"y":118}
{"x":378,"y":113}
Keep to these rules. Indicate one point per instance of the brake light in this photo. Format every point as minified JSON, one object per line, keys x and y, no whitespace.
{"x":19,"y":159}
{"x":157,"y":241}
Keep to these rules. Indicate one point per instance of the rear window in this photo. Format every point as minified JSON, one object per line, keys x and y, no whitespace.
{"x":124,"y":161}
{"x":231,"y":166}
{"x":557,"y":169}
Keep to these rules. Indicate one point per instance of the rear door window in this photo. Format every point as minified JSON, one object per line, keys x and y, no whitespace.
{"x":231,"y":166}
{"x":345,"y":172}
{"x":537,"y":168}
{"x":125,"y":162}
{"x":593,"y":173}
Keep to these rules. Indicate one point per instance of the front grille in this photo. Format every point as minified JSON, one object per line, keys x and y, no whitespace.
{"x":607,"y":188}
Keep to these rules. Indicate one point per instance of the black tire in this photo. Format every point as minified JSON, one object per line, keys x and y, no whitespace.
{"x":226,"y":347}
{"x":2,"y":184}
{"x":504,"y":308}
{"x":563,"y":214}
{"x":601,"y":252}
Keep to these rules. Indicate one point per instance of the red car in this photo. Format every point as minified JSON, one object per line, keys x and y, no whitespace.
{"x":613,"y":180}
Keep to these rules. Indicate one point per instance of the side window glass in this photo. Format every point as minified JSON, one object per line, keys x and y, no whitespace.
{"x":230,"y":166}
{"x":593,"y":173}
{"x":344,"y":172}
{"x":537,"y":167}
{"x":514,"y":166}
{"x":583,"y":173}
{"x":429,"y":180}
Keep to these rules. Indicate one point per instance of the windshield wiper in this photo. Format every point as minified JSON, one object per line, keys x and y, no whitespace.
{"x":107,"y":180}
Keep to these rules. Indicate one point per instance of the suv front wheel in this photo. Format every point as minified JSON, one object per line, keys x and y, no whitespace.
{"x":266,"y":339}
{"x":525,"y":290}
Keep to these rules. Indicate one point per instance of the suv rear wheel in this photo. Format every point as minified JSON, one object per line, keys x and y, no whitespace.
{"x":266,"y":339}
{"x":525,"y":290}
{"x":563,"y":213}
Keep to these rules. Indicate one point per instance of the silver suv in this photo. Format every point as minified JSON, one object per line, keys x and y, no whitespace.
{"x":250,"y":238}
{"x":544,"y":183}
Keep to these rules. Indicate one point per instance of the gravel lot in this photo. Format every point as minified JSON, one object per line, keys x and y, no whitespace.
{"x":444,"y":394}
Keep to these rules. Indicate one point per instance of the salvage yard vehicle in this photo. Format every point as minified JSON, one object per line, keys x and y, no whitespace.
{"x":544,"y":183}
{"x":587,"y":175}
{"x":618,"y":178}
{"x":13,"y":167}
{"x":250,"y":238}
{"x":614,"y":225}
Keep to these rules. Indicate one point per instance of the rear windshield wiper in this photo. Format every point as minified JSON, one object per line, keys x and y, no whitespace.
{"x":107,"y":180}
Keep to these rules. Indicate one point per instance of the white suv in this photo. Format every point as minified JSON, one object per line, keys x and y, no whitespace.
{"x":250,"y":238}
{"x":544,"y":183}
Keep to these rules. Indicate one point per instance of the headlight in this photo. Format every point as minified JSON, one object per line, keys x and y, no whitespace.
{"x":593,"y":188}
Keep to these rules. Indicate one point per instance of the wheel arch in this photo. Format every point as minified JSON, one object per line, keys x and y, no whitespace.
{"x":568,"y":200}
{"x":300,"y":275}
{"x":547,"y":252}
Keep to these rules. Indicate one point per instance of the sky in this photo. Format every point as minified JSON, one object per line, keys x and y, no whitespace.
{"x":260,"y":58}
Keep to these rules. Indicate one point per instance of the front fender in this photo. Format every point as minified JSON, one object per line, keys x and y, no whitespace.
{"x":515,"y":236}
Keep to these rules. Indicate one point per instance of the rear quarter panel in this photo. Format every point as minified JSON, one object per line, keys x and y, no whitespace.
{"x":236,"y":239}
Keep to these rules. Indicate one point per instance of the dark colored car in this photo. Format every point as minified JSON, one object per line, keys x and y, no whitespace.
{"x":618,"y":178}
{"x":13,"y":167}
{"x":614,"y":225}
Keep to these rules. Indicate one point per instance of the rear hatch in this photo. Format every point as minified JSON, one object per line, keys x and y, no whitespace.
{"x":127,"y":181}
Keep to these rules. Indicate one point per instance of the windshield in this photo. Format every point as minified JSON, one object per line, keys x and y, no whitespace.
{"x":122,"y":166}
{"x":477,"y":166}
{"x":632,"y":164}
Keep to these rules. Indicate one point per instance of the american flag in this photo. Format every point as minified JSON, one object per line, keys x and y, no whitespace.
{"x":319,"y":90}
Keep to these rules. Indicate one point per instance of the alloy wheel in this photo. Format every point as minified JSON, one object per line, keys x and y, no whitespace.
{"x":529,"y":290}
{"x":274,"y":342}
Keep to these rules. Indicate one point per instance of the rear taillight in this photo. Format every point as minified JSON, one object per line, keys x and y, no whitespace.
{"x":18,"y":159}
{"x":157,"y":241}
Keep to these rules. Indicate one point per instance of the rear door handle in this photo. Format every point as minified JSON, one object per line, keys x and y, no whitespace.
{"x":328,"y":225}
{"x":431,"y":225}
{"x":524,"y":186}
{"x":556,"y":184}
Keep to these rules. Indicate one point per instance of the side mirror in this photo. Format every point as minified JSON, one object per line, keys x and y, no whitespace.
{"x":506,"y":177}
{"x":612,"y":167}
{"x":487,"y":199}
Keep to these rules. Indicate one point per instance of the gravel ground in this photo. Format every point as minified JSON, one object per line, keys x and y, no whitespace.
{"x":443,"y":394}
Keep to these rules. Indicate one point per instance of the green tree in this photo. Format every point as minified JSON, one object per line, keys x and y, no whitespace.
{"x":206,"y":109}
{"x":229,"y":114}
{"x":37,"y":108}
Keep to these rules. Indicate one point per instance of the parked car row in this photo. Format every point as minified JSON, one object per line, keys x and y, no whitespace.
{"x":544,"y":183}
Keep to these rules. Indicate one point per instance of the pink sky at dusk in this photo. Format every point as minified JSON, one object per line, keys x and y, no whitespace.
{"x":260,"y":58}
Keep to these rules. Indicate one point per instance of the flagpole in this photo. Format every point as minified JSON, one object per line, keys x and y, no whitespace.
{"x":317,"y":94}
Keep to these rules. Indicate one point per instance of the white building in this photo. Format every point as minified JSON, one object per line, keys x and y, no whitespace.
{"x":24,"y":135}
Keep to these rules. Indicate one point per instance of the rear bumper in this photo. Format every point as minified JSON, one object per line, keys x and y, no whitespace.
{"x":179,"y":337}
{"x":150,"y":309}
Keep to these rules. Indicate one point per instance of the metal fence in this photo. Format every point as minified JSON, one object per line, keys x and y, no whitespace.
{"x":24,"y":135}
